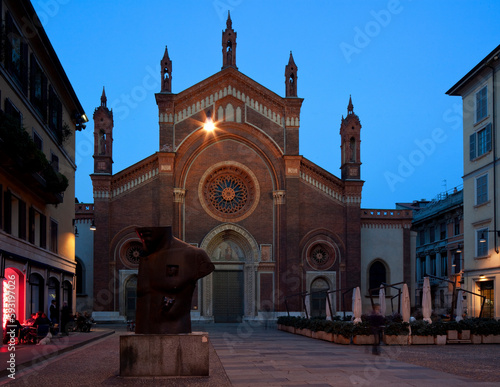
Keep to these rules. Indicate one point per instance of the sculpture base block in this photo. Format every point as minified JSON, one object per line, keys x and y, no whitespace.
{"x":164,"y":355}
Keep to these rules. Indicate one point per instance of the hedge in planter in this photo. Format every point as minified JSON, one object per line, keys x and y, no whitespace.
{"x":421,"y":333}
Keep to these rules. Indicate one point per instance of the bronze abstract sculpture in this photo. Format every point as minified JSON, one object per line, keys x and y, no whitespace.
{"x":166,"y":281}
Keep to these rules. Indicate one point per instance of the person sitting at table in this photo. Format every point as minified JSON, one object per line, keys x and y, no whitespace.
{"x":31,"y":320}
{"x":41,"y":319}
{"x":13,"y":323}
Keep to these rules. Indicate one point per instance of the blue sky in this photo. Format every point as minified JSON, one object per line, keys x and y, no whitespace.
{"x":396,"y":58}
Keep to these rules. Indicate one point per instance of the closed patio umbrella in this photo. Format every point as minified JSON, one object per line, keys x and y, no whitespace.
{"x":356,"y":305}
{"x":460,"y":306}
{"x":327,"y":308}
{"x":308,"y":306}
{"x":427,"y":301}
{"x":381,"y":300}
{"x":405,"y":304}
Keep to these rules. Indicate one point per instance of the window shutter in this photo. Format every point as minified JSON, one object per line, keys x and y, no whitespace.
{"x":22,"y":219}
{"x":488,"y":137}
{"x":7,"y":212}
{"x":24,"y":68}
{"x":43,"y":231}
{"x":472,"y":146}
{"x":31,"y":226}
{"x":8,"y":44}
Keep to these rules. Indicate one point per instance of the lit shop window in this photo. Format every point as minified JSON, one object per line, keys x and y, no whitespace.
{"x":13,"y":295}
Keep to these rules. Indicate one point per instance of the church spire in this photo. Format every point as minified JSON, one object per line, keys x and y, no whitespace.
{"x":103,"y":138}
{"x":350,"y":133}
{"x":166,"y":73}
{"x":229,"y":45}
{"x":103,"y":98}
{"x":350,"y":107}
{"x":291,"y":78}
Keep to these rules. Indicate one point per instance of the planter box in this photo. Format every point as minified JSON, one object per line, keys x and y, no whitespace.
{"x":452,"y":335}
{"x":440,"y":340}
{"x":396,"y":339}
{"x":491,"y":339}
{"x":464,"y":335}
{"x":342,"y":340}
{"x":304,"y":332}
{"x":422,"y":340}
{"x":364,"y":340}
{"x":322,"y":335}
{"x":476,"y":339}
{"x":288,"y":328}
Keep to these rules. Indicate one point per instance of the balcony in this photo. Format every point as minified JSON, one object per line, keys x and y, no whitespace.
{"x":27,"y":164}
{"x":51,"y":192}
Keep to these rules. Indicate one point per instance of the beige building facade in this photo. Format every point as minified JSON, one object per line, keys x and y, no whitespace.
{"x":39,"y":114}
{"x":481,"y":105}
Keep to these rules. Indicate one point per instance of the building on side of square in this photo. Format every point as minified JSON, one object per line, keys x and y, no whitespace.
{"x":439,"y":245}
{"x":275,"y":224}
{"x":39,"y":115}
{"x":481,"y":105}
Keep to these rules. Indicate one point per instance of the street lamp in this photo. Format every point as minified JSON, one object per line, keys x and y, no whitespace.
{"x":92,"y":226}
{"x":482,"y":239}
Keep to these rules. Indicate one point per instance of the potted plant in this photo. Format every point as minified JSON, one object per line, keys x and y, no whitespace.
{"x":490,"y":331}
{"x":465,"y":328}
{"x":302,"y":327}
{"x":317,"y":327}
{"x":344,"y":334}
{"x":439,"y":332}
{"x":421,"y":333}
{"x":362,"y":334}
{"x":334,"y":329}
{"x":286,"y":323}
{"x":396,"y":333}
{"x":452,"y":329}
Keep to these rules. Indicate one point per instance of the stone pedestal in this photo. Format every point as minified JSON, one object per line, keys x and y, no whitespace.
{"x":164,"y":355}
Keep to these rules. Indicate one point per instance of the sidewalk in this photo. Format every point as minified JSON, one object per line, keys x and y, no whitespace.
{"x":27,"y":355}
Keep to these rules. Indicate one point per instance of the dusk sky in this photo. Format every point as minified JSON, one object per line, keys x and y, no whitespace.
{"x":395,"y":58}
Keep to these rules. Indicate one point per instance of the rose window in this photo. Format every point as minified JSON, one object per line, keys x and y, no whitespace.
{"x":134,"y":252}
{"x":319,"y":256}
{"x":228,"y":192}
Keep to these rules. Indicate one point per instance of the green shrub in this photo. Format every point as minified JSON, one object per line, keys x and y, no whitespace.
{"x":363,"y":328}
{"x":421,"y":328}
{"x":397,"y":328}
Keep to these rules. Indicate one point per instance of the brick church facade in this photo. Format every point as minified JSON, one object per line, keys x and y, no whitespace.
{"x":274,"y":224}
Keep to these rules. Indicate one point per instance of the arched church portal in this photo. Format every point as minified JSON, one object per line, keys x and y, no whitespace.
{"x":229,"y":292}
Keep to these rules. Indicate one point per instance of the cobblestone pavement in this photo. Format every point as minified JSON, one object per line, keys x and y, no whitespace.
{"x":250,"y":355}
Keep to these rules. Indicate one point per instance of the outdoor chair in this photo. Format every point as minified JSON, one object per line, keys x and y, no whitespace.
{"x":38,"y":333}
